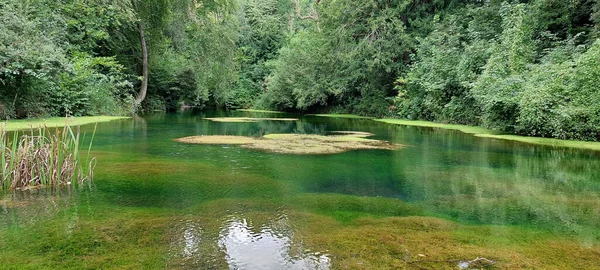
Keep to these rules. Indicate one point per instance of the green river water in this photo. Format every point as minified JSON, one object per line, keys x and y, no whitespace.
{"x":441,"y":201}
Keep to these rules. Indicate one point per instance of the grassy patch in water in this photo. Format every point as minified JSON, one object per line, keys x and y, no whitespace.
{"x":117,"y":238}
{"x":461,"y":128}
{"x":218,"y":139}
{"x":432,"y":243}
{"x":258,"y":111}
{"x":334,"y":115}
{"x":12,"y":125}
{"x":247,"y":119}
{"x":346,"y":208}
{"x":545,"y":141}
{"x":299,"y":144}
{"x":492,"y":134}
{"x":381,"y":234}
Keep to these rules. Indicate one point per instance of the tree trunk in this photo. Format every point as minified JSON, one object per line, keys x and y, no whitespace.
{"x":144,"y":88}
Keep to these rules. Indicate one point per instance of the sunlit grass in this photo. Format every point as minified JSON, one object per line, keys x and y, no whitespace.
{"x":258,"y":111}
{"x":493,"y":134}
{"x":335,"y":115}
{"x":299,"y":144}
{"x":247,"y":119}
{"x":12,"y":125}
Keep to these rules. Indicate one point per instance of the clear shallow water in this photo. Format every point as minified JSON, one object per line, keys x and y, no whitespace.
{"x":156,"y":203}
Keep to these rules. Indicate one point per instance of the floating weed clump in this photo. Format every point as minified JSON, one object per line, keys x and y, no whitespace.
{"x":299,"y":144}
{"x":247,"y":119}
{"x":41,"y":157}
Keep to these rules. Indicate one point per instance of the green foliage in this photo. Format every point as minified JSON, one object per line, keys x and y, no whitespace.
{"x":499,"y":87}
{"x":90,"y":86}
{"x":510,"y":67}
{"x":560,"y":93}
{"x":296,"y":81}
{"x":523,"y":67}
{"x":448,"y":61}
{"x":349,"y":58}
{"x":43,"y":71}
{"x":263,"y":26}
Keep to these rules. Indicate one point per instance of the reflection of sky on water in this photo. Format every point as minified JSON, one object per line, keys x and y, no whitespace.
{"x":191,"y":239}
{"x":186,"y":246}
{"x":269,"y":248}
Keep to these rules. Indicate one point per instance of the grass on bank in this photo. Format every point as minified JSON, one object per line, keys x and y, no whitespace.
{"x":492,"y":134}
{"x":247,"y":119}
{"x":12,"y":125}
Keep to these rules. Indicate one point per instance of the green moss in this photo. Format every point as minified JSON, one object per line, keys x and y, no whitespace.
{"x":258,"y":111}
{"x":12,"y":125}
{"x":342,"y":116}
{"x":300,"y":144}
{"x":462,"y":128}
{"x":545,"y":141}
{"x":247,"y":119}
{"x":355,"y":232}
{"x":492,"y":134}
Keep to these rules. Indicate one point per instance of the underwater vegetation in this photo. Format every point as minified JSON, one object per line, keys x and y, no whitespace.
{"x":449,"y":201}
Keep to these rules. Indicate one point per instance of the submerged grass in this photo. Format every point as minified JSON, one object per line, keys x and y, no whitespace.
{"x":13,"y":125}
{"x":492,"y":134}
{"x":42,"y":157}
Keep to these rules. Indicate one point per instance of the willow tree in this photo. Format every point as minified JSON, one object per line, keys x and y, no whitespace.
{"x":152,"y":13}
{"x":150,"y":17}
{"x":169,"y":25}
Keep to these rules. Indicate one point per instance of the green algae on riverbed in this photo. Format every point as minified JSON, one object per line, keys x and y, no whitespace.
{"x":214,"y":234}
{"x":12,"y":125}
{"x":447,"y":199}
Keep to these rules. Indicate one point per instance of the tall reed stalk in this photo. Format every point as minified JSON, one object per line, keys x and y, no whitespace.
{"x":43,"y":157}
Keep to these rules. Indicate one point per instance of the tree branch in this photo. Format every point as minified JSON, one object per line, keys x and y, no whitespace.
{"x":314,"y":16}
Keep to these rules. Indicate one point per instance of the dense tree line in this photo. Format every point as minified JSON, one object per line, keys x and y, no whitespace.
{"x":76,"y":57}
{"x":529,"y":67}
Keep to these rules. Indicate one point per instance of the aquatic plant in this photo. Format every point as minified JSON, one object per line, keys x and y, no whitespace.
{"x":247,"y":119}
{"x":299,"y":144}
{"x":43,"y":157}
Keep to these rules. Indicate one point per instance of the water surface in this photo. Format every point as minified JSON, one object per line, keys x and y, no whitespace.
{"x":446,"y":198}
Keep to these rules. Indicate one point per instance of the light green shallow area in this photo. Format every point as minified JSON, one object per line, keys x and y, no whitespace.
{"x":13,"y":125}
{"x":335,"y":115}
{"x":446,"y":198}
{"x":492,"y":134}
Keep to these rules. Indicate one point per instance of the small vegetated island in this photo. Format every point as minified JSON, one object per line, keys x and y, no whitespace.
{"x":300,"y":144}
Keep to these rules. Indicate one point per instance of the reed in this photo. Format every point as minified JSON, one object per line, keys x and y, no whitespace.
{"x":43,"y":157}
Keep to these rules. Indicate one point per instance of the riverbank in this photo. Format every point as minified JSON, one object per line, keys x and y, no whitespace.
{"x":480,"y":132}
{"x":12,"y":125}
{"x":493,"y":134}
